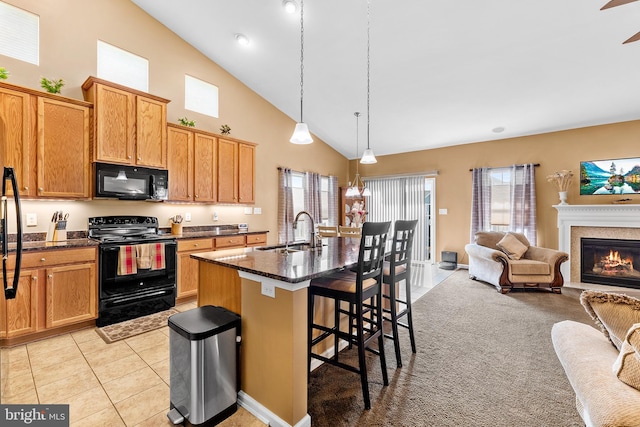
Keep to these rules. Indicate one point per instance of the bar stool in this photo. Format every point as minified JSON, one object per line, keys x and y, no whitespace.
{"x":355,"y":287}
{"x":396,"y":269}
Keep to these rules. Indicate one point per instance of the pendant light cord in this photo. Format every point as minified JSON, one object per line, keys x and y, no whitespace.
{"x":301,"y":57}
{"x":357,"y":114}
{"x":368,"y":66}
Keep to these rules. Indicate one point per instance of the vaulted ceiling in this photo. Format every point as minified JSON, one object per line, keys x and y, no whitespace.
{"x":442,"y":72}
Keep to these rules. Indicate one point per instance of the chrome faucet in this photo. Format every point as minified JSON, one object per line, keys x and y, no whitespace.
{"x":312,"y":242}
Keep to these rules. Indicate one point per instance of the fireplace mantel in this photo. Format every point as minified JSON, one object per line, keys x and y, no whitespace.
{"x":620,"y":215}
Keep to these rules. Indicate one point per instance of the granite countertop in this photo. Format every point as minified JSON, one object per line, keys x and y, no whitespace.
{"x":42,"y":245}
{"x":295,"y":267}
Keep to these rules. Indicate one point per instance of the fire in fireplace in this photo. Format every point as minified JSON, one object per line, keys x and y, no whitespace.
{"x":610,"y":262}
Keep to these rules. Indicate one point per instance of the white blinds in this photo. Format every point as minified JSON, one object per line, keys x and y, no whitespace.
{"x":400,"y":198}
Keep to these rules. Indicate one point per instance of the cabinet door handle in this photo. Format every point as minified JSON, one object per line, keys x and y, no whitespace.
{"x":139,"y":158}
{"x":34,"y":278}
{"x":197,"y":196}
{"x":50,"y":276}
{"x":41,"y":189}
{"x":42,"y":259}
{"x":195,"y":244}
{"x":128,"y":157}
{"x":26,"y":188}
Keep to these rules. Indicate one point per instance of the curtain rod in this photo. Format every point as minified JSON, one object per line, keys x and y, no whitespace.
{"x":402,"y":175}
{"x":535,"y":164}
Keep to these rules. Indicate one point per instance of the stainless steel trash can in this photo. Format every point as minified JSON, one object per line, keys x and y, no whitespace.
{"x":203,"y":362}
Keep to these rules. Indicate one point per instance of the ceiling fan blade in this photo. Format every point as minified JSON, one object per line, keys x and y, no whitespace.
{"x":614,"y":3}
{"x":632,"y":39}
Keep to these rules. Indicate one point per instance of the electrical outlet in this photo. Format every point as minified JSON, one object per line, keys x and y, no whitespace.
{"x":215,"y":216}
{"x":187,"y":216}
{"x":248,"y":211}
{"x":32,"y":219}
{"x":268,"y":289}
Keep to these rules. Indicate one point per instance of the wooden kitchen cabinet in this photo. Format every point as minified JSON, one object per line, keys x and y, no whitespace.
{"x":63,"y":145}
{"x":57,"y":288}
{"x":187,"y":267}
{"x":236,"y":171}
{"x":17,"y":134}
{"x":191,"y":164}
{"x":130,"y":126}
{"x":46,"y":139}
{"x":18,"y":315}
{"x":71,"y":294}
{"x":256,"y":239}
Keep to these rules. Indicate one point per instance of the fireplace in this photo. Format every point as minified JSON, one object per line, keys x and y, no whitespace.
{"x":610,"y":262}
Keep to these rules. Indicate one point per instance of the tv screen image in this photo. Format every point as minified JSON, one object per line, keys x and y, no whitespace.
{"x":614,"y":176}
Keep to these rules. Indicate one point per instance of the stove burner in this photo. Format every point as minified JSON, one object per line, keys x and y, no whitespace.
{"x":129,"y":229}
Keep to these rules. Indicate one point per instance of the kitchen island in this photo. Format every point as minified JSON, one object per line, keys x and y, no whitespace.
{"x":268,"y":288}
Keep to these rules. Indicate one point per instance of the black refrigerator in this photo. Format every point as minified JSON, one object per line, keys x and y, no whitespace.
{"x":9,"y":176}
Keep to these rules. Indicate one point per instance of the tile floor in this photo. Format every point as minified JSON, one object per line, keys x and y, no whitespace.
{"x":121,"y":384}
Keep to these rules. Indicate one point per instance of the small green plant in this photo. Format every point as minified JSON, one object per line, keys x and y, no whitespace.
{"x":225,"y":129}
{"x":4,"y":74}
{"x":186,"y":122}
{"x":51,"y":86}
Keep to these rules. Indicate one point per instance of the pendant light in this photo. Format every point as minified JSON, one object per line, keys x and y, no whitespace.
{"x":301,"y":133}
{"x":354,"y":190}
{"x":368,"y":157}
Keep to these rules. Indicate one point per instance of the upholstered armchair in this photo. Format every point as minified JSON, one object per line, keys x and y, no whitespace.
{"x":507,"y":261}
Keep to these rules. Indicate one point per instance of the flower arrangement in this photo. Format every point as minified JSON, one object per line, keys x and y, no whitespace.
{"x":186,"y":122}
{"x":562,"y":179}
{"x":51,"y":86}
{"x":225,"y":129}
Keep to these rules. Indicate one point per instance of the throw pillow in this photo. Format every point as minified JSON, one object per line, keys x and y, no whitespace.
{"x":511,"y":246}
{"x":627,"y":365}
{"x":613,"y":313}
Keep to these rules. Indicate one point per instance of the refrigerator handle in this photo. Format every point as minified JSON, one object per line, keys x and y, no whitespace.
{"x":9,"y":174}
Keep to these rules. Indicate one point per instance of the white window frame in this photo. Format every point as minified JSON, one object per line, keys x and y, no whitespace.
{"x":200,"y":96}
{"x":122,"y":67}
{"x":20,"y":35}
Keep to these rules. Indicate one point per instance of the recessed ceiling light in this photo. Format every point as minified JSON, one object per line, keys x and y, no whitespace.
{"x":499,"y":129}
{"x":242,"y":39}
{"x":290,"y":6}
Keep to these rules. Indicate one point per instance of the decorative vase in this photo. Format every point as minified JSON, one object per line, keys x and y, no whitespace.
{"x":563,"y":197}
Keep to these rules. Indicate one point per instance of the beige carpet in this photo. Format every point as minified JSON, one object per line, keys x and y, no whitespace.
{"x":484,"y":359}
{"x":133,"y":327}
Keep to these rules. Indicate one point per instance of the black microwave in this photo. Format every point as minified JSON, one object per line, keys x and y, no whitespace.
{"x":130,"y":182}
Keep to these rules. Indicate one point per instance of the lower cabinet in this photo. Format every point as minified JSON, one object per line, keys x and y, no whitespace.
{"x":57,"y":288}
{"x":187,"y":276}
{"x":187,"y":267}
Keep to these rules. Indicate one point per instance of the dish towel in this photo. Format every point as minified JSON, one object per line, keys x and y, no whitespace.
{"x":143,"y":256}
{"x":127,"y":260}
{"x":157,"y":256}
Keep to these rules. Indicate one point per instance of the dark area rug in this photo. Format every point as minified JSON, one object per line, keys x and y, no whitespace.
{"x":133,"y":327}
{"x":484,"y":359}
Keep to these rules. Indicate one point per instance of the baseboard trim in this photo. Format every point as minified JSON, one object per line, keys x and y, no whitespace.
{"x":265,"y":415}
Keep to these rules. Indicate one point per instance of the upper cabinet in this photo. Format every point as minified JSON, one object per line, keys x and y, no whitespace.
{"x":236,"y":171}
{"x":39,"y":131}
{"x":191,"y":164}
{"x":130,"y":126}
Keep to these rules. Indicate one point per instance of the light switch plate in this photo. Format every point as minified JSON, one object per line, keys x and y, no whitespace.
{"x":257,"y":211}
{"x":248,"y":211}
{"x":187,"y":216}
{"x":444,"y":211}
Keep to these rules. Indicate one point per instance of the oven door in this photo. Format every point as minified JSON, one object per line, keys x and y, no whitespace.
{"x":114,"y":287}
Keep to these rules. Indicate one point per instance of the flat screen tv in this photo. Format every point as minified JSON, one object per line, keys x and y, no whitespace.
{"x":614,"y":176}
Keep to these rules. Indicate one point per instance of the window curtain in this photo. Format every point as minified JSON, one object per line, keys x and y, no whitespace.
{"x":400,"y":198}
{"x":333,"y":201}
{"x":312,"y":199}
{"x":523,"y":201}
{"x":285,"y":206}
{"x":480,"y":201}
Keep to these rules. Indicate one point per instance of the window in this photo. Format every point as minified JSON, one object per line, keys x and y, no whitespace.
{"x":504,"y":199}
{"x":122,"y":67}
{"x":20,"y":34}
{"x":200,"y":96}
{"x":500,"y":199}
{"x":311,"y":192}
